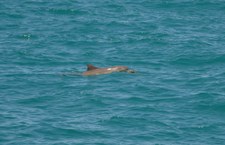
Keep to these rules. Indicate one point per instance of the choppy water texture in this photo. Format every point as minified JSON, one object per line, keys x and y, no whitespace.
{"x":177,"y":96}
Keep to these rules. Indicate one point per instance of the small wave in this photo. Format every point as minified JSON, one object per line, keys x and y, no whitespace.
{"x":195,"y":60}
{"x":61,"y":11}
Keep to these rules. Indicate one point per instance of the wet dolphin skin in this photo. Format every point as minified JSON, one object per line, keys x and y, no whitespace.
{"x":92,"y":70}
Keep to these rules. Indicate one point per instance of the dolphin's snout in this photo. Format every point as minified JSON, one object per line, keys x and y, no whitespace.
{"x":130,"y":71}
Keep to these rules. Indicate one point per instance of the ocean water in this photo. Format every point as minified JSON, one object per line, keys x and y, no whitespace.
{"x":177,"y":96}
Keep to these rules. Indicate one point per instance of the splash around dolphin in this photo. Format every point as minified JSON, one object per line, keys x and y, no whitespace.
{"x":92,"y":70}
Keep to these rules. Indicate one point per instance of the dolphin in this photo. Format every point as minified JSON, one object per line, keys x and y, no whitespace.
{"x":92,"y":70}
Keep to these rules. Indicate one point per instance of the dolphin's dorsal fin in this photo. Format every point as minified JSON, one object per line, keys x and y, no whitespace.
{"x":91,"y":67}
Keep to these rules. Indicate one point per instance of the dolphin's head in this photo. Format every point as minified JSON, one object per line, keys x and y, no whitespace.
{"x":123,"y":69}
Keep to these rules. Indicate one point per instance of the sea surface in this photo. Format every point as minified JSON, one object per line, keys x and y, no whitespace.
{"x":177,"y":96}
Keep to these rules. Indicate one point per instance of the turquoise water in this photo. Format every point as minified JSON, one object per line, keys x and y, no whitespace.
{"x":177,"y":95}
